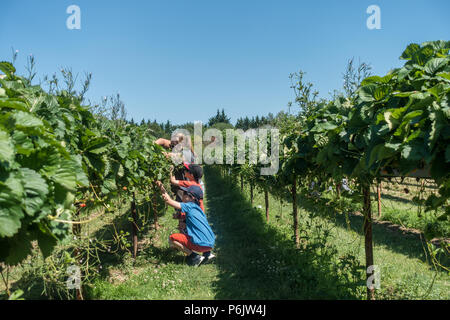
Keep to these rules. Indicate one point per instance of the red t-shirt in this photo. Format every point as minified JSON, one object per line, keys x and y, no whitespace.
{"x":187,"y":184}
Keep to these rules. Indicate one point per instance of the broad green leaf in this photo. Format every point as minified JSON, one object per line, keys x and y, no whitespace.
{"x":377,"y":79}
{"x":409,"y":51}
{"x":9,"y":221}
{"x":412,"y":152}
{"x":367,"y":92}
{"x":434,"y":65}
{"x":445,"y":75}
{"x":439,"y":89}
{"x":447,"y":153}
{"x":98,"y":145}
{"x":36,"y":190}
{"x":10,"y":211}
{"x":66,"y":175}
{"x":411,"y":115}
{"x":26,"y":120}
{"x":6,"y":147}
{"x":19,"y":247}
{"x":23,"y":143}
{"x":12,"y":104}
{"x":382,"y":151}
{"x":46,"y":240}
{"x":324,"y":126}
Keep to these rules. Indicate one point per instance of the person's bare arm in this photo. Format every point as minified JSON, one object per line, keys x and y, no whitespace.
{"x":171,"y":202}
{"x":167,"y":198}
{"x":174,"y":181}
{"x":163,"y":143}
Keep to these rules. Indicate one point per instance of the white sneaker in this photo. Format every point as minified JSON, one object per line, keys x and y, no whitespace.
{"x":208,"y":256}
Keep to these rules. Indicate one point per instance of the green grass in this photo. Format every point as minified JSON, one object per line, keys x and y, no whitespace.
{"x":397,"y":207}
{"x":258,"y":260}
{"x":405,"y":273}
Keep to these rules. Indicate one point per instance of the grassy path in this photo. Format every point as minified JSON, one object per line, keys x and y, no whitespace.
{"x":257,"y":260}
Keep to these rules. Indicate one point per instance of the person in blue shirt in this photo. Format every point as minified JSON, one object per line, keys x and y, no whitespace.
{"x":199,"y":237}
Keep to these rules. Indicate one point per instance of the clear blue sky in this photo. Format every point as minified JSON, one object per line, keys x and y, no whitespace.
{"x":183,"y":59}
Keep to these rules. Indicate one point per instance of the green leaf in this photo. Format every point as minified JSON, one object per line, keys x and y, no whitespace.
{"x":26,"y":120}
{"x":6,"y":147}
{"x":19,"y":247}
{"x":13,"y":104}
{"x":10,"y":209}
{"x":324,"y":126}
{"x":439,"y":89}
{"x":445,"y":75}
{"x":46,"y":240}
{"x":10,"y":221}
{"x":23,"y":143}
{"x":98,"y":145}
{"x":377,"y":80}
{"x":366,"y":93}
{"x":381,"y":152}
{"x":409,"y":51}
{"x":411,"y":115}
{"x":36,"y":190}
{"x":7,"y":68}
{"x":66,"y":175}
{"x":435,"y":64}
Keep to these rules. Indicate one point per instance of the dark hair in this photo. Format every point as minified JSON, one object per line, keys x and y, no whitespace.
{"x":196,"y":201}
{"x":196,"y":171}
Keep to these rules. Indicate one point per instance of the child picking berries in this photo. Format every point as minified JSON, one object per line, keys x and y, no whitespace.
{"x":198,"y":237}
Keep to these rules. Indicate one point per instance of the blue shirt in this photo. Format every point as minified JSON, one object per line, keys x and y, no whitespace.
{"x":197,"y":225}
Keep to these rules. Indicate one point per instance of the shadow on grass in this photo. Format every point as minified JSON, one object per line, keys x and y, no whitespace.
{"x":386,"y":196}
{"x":385,"y":234}
{"x":255,"y":261}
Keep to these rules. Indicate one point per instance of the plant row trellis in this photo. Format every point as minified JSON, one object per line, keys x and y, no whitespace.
{"x":58,"y":159}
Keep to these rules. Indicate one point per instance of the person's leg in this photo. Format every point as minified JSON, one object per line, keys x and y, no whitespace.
{"x":180,"y":241}
{"x":179,"y":246}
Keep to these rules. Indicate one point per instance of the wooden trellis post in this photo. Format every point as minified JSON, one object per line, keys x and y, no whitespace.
{"x":294,"y":212}
{"x":76,"y":231}
{"x":379,"y":198}
{"x":134,"y":226}
{"x":266,"y":200}
{"x":368,"y":243}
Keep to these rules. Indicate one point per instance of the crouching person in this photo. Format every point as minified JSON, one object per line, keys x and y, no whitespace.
{"x":199,"y":238}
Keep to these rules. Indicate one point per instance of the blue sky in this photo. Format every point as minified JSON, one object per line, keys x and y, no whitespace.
{"x":182,"y":60}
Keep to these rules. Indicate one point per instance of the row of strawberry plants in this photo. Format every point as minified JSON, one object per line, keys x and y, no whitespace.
{"x":56,"y":157}
{"x":396,"y":125}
